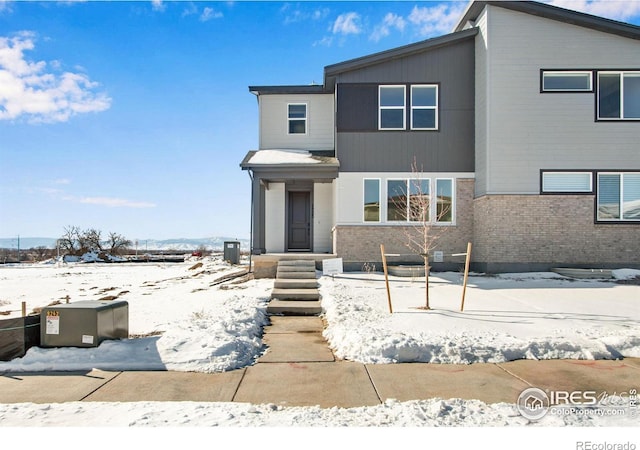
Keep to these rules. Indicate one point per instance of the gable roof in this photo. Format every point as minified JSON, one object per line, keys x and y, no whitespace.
{"x":554,"y":13}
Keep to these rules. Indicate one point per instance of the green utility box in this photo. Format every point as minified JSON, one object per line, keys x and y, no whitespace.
{"x":83,"y":324}
{"x":232,"y":252}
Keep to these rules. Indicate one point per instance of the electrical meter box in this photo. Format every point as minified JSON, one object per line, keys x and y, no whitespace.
{"x":83,"y":324}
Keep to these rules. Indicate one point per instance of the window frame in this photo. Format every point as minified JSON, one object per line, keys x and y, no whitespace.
{"x":544,"y":90}
{"x":385,"y":108}
{"x":436,"y":220}
{"x":433,"y":201}
{"x":364,"y":200}
{"x":564,"y":172}
{"x":435,"y":108}
{"x":297,"y":119}
{"x":621,"y":219}
{"x":622,"y":74}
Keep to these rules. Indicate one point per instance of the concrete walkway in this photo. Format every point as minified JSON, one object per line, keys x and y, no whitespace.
{"x":298,"y":369}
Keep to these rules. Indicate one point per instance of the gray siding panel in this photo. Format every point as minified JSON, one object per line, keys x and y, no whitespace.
{"x":361,"y":147}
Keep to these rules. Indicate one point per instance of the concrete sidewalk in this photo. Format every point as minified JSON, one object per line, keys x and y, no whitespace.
{"x":299,"y":369}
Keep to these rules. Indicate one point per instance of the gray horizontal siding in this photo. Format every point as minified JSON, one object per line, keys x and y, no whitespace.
{"x":361,"y":147}
{"x":395,"y":151}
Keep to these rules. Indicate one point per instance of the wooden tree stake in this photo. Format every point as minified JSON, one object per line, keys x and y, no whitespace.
{"x":24,"y":309}
{"x":466,"y":274}
{"x":386,"y":276}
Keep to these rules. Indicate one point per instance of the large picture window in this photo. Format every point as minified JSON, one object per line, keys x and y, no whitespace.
{"x":618,"y":96}
{"x":424,"y":107}
{"x":619,"y":197}
{"x":297,"y":117}
{"x":420,"y":200}
{"x":391,"y":103}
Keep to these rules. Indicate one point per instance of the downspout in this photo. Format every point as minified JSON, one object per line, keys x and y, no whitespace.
{"x":251,"y":225}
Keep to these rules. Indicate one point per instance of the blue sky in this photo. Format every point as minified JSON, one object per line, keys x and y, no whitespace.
{"x":133,"y":117}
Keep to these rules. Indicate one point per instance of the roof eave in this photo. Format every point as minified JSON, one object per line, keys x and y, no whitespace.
{"x":554,"y":13}
{"x":395,"y":53}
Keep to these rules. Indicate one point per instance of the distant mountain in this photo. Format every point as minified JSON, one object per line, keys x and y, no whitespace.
{"x":180,"y":244}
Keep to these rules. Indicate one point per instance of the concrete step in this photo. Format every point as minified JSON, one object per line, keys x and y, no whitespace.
{"x":295,"y":283}
{"x":296,"y":269}
{"x":295,"y":294}
{"x":298,"y":263}
{"x":294,"y":307}
{"x":295,"y":274}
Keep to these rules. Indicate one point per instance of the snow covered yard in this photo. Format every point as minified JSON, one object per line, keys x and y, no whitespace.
{"x":506,"y":317}
{"x":184,"y":320}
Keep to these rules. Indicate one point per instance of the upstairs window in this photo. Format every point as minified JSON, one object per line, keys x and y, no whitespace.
{"x":391,"y":107}
{"x":566,"y":81}
{"x":297,"y":116}
{"x":618,"y":96}
{"x":424,"y":107}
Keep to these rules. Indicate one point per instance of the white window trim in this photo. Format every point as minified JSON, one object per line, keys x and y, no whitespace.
{"x":386,"y":203}
{"x":379,"y":180}
{"x":569,"y":172}
{"x":622,"y":73}
{"x":403,"y":107}
{"x":306,"y":117}
{"x":568,"y":72}
{"x":434,"y":202}
{"x":437,"y":124}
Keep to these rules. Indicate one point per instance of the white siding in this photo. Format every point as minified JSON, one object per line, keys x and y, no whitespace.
{"x":274,"y":122}
{"x":322,"y":217}
{"x":274,"y":218}
{"x":528,"y":131}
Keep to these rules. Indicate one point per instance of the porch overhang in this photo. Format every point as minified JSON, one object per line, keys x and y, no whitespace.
{"x":282,"y":165}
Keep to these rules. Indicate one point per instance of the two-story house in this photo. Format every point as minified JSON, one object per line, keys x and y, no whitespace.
{"x":522,"y":126}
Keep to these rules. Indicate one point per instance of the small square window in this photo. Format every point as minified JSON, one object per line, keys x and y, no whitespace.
{"x":424,"y":107}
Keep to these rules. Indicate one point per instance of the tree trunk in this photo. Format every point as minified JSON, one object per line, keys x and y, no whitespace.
{"x":426,"y":281}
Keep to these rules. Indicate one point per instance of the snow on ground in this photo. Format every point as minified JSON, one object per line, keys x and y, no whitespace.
{"x":185,"y":320}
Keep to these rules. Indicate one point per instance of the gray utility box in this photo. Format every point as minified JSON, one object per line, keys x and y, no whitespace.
{"x":83,"y":324}
{"x":232,"y":252}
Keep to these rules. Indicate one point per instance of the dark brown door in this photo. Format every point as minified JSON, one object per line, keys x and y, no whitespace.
{"x":299,"y":220}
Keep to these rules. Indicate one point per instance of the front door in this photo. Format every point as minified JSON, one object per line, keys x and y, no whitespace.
{"x":299,"y":234}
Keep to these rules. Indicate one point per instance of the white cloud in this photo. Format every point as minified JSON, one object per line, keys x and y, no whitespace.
{"x":348,"y":23}
{"x":158,"y":5}
{"x":326,"y":41}
{"x":5,"y":6}
{"x":209,"y":14}
{"x":116,"y":202}
{"x":62,"y":181}
{"x":436,"y":20}
{"x":300,"y":15}
{"x":390,"y":21}
{"x":611,"y":9}
{"x":38,"y":91}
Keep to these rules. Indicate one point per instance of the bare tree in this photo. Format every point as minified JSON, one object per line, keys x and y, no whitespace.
{"x":117,"y":243}
{"x":90,"y":240}
{"x":68,"y":242}
{"x":411,"y":201}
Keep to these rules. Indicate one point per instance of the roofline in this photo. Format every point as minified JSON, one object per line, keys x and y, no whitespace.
{"x":290,"y":89}
{"x":554,"y":13}
{"x":398,"y":52}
